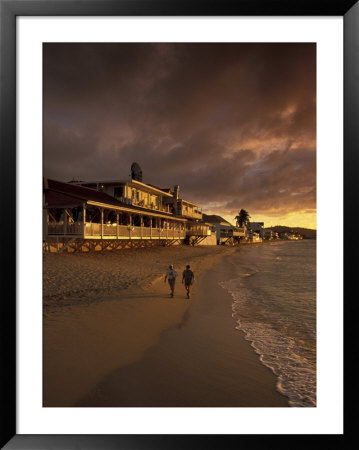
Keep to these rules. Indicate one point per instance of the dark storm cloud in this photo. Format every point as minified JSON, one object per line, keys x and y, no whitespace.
{"x":233,"y":124}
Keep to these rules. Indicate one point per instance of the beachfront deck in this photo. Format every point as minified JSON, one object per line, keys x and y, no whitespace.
{"x":112,"y":231}
{"x":231,"y":236}
{"x":198,"y":229}
{"x":239,"y":232}
{"x":96,"y":236}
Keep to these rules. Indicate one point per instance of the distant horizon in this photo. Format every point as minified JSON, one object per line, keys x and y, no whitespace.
{"x":267,"y":225}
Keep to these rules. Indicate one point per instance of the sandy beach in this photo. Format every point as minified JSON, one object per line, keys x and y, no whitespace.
{"x":114,"y":337}
{"x":79,"y":278}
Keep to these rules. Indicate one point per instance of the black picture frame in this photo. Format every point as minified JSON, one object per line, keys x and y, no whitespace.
{"x":9,"y":10}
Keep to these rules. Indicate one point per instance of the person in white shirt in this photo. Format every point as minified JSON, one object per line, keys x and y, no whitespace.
{"x":171,"y":275}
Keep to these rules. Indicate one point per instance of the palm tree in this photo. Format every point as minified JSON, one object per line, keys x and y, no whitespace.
{"x":243,"y":218}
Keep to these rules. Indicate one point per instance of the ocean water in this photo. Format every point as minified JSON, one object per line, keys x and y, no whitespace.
{"x":274,"y":305}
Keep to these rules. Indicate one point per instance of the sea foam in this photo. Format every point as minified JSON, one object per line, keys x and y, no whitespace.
{"x":279,"y":325}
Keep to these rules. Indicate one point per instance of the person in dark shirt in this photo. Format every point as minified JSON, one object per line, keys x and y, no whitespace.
{"x":188,"y":279}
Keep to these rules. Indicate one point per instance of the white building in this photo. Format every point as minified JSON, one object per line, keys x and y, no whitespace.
{"x":255,"y":227}
{"x":269,"y":234}
{"x":226,"y":233}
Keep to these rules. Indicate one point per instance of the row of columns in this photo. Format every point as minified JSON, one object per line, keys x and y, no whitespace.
{"x":151,"y":219}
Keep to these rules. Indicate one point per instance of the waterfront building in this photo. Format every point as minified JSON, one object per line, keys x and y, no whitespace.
{"x":291,"y":236}
{"x":226,"y":233}
{"x":98,"y":215}
{"x":255,"y":227}
{"x":269,"y":234}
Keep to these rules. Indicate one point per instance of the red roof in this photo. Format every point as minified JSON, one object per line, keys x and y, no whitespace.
{"x":80,"y":192}
{"x":58,"y":200}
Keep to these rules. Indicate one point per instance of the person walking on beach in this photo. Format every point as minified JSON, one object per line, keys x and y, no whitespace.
{"x":171,"y":275}
{"x":188,"y":279}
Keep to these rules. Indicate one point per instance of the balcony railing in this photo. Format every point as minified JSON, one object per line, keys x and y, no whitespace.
{"x":61,"y":228}
{"x":113,"y":231}
{"x":191,"y":214}
{"x":199,"y":231}
{"x":233,"y":233}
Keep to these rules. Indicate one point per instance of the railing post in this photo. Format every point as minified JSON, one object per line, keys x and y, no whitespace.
{"x":117,"y":225}
{"x":84,"y":220}
{"x":101,"y":223}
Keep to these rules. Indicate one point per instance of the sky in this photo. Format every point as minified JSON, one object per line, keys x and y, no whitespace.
{"x":234,"y":125}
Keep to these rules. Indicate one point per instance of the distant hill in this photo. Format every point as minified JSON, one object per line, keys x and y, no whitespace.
{"x":307,"y":233}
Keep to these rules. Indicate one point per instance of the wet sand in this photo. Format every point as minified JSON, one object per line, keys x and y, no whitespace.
{"x":138,"y":347}
{"x":201,"y":362}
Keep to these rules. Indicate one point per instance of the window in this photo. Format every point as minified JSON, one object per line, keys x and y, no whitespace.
{"x":118,"y":191}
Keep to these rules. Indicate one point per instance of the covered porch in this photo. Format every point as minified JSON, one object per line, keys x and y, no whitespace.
{"x":197,"y":232}
{"x":95,"y":221}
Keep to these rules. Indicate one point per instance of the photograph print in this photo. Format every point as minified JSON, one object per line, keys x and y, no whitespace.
{"x":179,"y":225}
